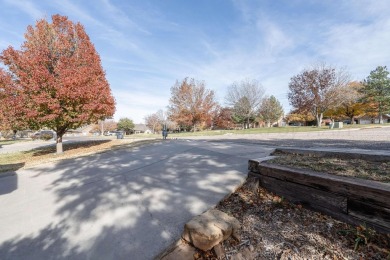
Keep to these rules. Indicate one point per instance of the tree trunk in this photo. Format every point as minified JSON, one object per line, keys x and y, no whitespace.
{"x":268,"y":123}
{"x":319,"y":119}
{"x":59,"y":144}
{"x":380,"y":118}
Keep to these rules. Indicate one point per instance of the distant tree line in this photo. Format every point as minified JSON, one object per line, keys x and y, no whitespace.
{"x":56,"y":81}
{"x":326,"y":91}
{"x":193,"y":107}
{"x":317,"y":92}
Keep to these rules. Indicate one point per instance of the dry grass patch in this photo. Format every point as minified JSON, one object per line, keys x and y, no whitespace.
{"x":8,"y":141}
{"x":364,"y":169}
{"x":15,"y":161}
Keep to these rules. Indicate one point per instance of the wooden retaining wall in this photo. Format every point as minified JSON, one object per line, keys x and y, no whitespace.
{"x":352,"y":200}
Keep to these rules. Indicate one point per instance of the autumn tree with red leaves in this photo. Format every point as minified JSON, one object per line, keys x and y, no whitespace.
{"x":223,"y":118}
{"x":352,"y":105}
{"x":58,"y":74}
{"x":191,"y":104}
{"x":12,"y":116}
{"x":317,"y":90}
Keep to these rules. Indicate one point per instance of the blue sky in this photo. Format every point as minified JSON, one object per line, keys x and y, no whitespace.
{"x":145,"y":46}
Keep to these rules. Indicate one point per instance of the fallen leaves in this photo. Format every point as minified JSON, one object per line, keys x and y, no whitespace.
{"x":273,"y":228}
{"x":14,"y":161}
{"x":377,"y":171}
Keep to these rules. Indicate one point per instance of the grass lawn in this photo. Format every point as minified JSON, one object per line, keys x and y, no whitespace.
{"x":263,"y":130}
{"x":17,"y":160}
{"x":286,"y":129}
{"x":10,"y":141}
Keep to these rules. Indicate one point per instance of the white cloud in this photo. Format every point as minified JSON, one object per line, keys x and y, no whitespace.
{"x":274,"y":38}
{"x":76,"y":11}
{"x":103,"y":30}
{"x":27,"y":7}
{"x":137,"y":104}
{"x":362,"y":47}
{"x":120,"y":18}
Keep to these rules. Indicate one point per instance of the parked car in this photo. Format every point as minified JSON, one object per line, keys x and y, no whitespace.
{"x":295,"y":124}
{"x":108,"y":133}
{"x":44,"y":135}
{"x":113,"y":133}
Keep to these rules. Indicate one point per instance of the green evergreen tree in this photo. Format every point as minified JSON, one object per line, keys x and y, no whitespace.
{"x":376,"y":89}
{"x":126,"y":124}
{"x":270,"y":110}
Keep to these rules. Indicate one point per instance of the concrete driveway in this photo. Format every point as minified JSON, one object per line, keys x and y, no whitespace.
{"x":123,"y":204}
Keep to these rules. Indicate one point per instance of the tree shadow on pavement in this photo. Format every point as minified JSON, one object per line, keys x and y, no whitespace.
{"x":124,"y":204}
{"x":50,"y":242}
{"x":9,"y":179}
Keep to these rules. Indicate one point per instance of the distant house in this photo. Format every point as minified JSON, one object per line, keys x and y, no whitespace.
{"x":81,"y":131}
{"x":141,"y":129}
{"x":363,"y":120}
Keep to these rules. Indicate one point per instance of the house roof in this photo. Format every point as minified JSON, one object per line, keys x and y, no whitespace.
{"x":140,"y":127}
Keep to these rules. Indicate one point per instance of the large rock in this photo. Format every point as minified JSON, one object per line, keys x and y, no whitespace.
{"x":180,"y":251}
{"x":210,"y":228}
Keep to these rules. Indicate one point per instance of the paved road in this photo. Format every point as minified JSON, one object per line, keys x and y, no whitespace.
{"x":123,"y":204}
{"x":365,"y":138}
{"x":131,"y":204}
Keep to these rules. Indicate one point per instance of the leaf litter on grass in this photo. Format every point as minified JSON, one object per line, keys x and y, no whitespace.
{"x":14,"y":161}
{"x":359,"y":168}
